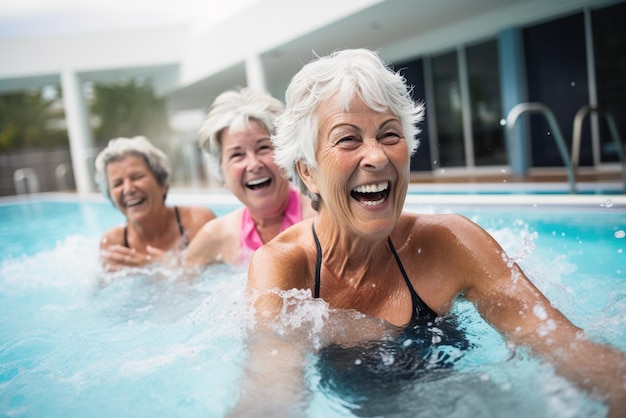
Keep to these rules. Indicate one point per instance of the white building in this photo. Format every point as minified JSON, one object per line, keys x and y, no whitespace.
{"x":262,"y":43}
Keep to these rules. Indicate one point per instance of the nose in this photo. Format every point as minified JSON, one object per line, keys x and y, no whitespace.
{"x":128,"y":186}
{"x":374,"y":156}
{"x":254,"y":163}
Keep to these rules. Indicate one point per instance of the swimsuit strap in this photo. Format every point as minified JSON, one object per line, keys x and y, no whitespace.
{"x":318,"y":263}
{"x":180,"y":227}
{"x":420,"y":309}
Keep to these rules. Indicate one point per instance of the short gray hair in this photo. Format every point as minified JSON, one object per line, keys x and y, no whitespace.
{"x":342,"y":74}
{"x":139,"y":146}
{"x":234,"y":109}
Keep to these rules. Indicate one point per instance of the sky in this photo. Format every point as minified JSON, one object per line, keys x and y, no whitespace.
{"x":40,"y":17}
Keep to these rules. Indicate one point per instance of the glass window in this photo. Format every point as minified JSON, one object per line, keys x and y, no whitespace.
{"x":413,"y":72}
{"x":449,"y":110}
{"x":609,"y":35}
{"x":486,"y":104}
{"x":556,"y":71}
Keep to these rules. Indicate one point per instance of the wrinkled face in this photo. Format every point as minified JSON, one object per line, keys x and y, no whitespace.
{"x":133,"y":187}
{"x":363,"y":167}
{"x":249,"y":169}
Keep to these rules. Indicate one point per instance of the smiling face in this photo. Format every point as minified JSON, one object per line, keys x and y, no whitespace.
{"x":249,"y":169}
{"x":133,"y":187}
{"x":363,"y":167}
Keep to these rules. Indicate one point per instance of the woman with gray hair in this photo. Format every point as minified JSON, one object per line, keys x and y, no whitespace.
{"x":134,"y":175}
{"x":237,"y":138}
{"x":346,"y":137}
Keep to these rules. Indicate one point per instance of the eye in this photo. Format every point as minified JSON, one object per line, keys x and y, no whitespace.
{"x":349,"y":141}
{"x":390,"y":138}
{"x":235,"y":156}
{"x":264,"y":149}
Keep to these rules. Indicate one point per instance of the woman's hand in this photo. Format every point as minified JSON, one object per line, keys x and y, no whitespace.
{"x":116,"y":256}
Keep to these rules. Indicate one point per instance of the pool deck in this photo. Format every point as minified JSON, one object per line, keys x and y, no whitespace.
{"x":449,"y":195}
{"x":542,"y":188}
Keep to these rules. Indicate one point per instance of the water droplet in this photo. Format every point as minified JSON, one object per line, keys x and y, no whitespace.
{"x":620,"y":234}
{"x":573,"y":83}
{"x":549,"y":133}
{"x":620,"y":251}
{"x":502,"y":122}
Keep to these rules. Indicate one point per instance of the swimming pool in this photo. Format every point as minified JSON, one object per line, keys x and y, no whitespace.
{"x":150,"y":345}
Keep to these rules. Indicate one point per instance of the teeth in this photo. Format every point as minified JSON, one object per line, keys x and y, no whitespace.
{"x":373,"y":202}
{"x":133,"y":202}
{"x":372,"y":188}
{"x":257,"y":181}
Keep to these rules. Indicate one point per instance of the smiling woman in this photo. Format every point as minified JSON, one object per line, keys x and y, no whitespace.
{"x":134,"y":175}
{"x":237,"y":138}
{"x":347,"y":135}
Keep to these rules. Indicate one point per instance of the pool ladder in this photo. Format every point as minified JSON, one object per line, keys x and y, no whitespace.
{"x":25,"y":181}
{"x":577,"y":133}
{"x":571,"y":163}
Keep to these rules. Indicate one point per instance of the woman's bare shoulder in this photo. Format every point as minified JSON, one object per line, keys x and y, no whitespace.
{"x":283,"y":262}
{"x":114,"y":236}
{"x":196,"y":215}
{"x":436,"y":222}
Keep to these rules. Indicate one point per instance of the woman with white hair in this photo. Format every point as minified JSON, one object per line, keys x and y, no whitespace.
{"x":236,"y":135}
{"x":346,"y":138}
{"x":134,"y":175}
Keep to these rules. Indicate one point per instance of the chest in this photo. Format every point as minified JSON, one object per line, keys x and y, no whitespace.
{"x":379,"y":291}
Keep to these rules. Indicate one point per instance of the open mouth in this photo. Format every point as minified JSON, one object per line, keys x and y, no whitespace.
{"x":371,"y":194}
{"x":134,"y":202}
{"x":258,"y":183}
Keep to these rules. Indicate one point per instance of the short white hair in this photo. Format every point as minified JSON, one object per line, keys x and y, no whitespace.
{"x":342,"y":74}
{"x":139,"y":146}
{"x":234,"y":109}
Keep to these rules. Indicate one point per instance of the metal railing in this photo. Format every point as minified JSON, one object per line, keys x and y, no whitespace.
{"x":577,"y":134}
{"x":26,"y":181}
{"x":523,"y":108}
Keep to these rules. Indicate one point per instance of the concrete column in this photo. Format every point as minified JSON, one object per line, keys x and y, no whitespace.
{"x":513,"y":90}
{"x":255,"y":74}
{"x":77,"y":118}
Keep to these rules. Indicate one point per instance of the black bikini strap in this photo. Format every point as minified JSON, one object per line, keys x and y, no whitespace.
{"x":417,"y":301}
{"x":126,"y":237}
{"x":318,"y":263}
{"x":180,"y":227}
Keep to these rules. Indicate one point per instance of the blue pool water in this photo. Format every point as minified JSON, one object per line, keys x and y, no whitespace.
{"x":149,"y":344}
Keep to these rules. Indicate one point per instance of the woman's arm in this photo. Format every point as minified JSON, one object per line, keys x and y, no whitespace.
{"x":508,"y":300}
{"x":216,"y":242}
{"x":273,"y":382}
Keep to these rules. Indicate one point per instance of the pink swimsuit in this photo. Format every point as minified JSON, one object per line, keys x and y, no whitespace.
{"x":250,"y":240}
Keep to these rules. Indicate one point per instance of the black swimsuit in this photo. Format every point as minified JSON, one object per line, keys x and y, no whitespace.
{"x":363,"y":374}
{"x":421,"y":311}
{"x":180,"y":229}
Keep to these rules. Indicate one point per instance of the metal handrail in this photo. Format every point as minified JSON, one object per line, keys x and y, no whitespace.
{"x":522,"y":108}
{"x":26,"y":181}
{"x":577,"y":134}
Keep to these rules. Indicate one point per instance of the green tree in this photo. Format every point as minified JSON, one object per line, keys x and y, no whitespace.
{"x":30,"y":120}
{"x":128,"y":109}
